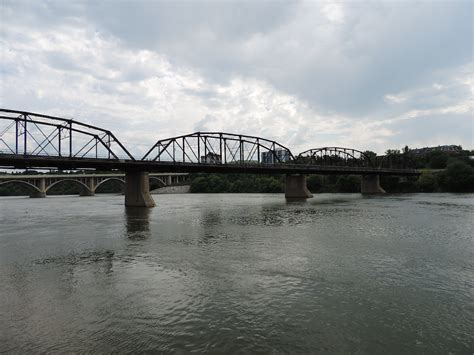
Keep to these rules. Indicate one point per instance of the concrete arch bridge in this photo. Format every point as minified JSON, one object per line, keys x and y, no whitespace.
{"x":39,"y":185}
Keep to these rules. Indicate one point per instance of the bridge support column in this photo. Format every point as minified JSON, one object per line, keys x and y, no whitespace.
{"x":295,"y":187}
{"x":90,"y":191}
{"x":370,"y":184}
{"x":41,"y":185}
{"x":137,"y":189}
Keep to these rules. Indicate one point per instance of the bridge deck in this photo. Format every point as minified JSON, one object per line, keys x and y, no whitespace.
{"x":66,"y":163}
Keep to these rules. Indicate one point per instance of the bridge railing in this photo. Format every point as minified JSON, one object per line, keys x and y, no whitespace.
{"x":32,"y":134}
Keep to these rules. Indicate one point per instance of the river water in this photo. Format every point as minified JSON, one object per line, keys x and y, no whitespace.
{"x":223,"y":273}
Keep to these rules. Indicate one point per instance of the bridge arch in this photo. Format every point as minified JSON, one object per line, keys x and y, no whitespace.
{"x":335,"y":156}
{"x":75,"y":181}
{"x":219,"y":148}
{"x":30,"y":186}
{"x":157,"y":179}
{"x":122,"y":181}
{"x":395,"y":161}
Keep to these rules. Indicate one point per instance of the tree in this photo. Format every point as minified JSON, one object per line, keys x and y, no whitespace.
{"x":427,"y":182}
{"x":348,"y":183}
{"x":459,"y":177}
{"x":314,"y":183}
{"x":438,"y":160}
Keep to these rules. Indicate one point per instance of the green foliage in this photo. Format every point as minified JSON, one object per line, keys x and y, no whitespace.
{"x":348,"y":183}
{"x":14,"y":190}
{"x":235,"y":183}
{"x":314,"y":183}
{"x":427,"y":182}
{"x":438,"y":161}
{"x":390,"y":183}
{"x":458,"y":177}
{"x":407,"y":185}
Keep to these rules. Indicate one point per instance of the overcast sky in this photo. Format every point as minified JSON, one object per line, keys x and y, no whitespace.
{"x":362,"y":74}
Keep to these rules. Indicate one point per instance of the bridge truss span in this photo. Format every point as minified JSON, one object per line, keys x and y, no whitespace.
{"x":395,"y":160}
{"x":36,"y":135}
{"x":335,"y":156}
{"x":218,"y":148}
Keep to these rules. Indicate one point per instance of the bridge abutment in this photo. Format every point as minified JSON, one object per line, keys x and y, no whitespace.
{"x":137,"y":189}
{"x":295,"y":187}
{"x":370,"y":184}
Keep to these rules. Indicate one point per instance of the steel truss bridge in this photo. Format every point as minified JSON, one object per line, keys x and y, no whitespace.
{"x":32,"y":140}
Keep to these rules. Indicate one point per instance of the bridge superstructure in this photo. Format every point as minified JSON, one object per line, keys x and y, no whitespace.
{"x":31,"y":140}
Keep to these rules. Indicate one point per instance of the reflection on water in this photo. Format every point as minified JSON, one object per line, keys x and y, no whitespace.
{"x":238,"y":273}
{"x":137,"y":222}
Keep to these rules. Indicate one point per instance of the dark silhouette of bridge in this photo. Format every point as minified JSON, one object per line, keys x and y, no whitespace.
{"x":30,"y":140}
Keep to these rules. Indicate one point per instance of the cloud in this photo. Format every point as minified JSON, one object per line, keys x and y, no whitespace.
{"x":395,"y":99}
{"x":307,"y":74}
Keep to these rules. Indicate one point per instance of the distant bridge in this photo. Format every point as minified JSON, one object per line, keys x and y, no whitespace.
{"x":39,"y":184}
{"x":31,"y":140}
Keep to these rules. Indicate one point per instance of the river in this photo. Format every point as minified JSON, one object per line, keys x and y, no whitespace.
{"x":223,"y":273}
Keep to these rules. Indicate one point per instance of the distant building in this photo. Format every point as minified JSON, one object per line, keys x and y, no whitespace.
{"x":211,"y":158}
{"x":275,"y":156}
{"x":450,"y":149}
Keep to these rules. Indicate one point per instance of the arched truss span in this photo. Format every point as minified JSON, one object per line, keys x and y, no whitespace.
{"x":219,"y":148}
{"x":122,"y":181}
{"x":33,"y":134}
{"x":21,"y":182}
{"x":395,"y":161}
{"x":335,"y":156}
{"x":77,"y":182}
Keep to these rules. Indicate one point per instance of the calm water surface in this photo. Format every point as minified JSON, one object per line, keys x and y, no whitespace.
{"x":238,"y":273}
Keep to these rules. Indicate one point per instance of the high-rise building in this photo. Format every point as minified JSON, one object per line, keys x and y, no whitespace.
{"x":275,"y":156}
{"x":211,"y":158}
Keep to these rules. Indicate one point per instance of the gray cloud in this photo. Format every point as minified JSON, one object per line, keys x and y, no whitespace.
{"x":305,"y":73}
{"x":346,"y":66}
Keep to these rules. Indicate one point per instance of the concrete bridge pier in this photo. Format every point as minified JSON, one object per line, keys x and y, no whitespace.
{"x":295,"y":187}
{"x":41,"y":185}
{"x":370,"y":184}
{"x":90,"y":190}
{"x":137,"y":189}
